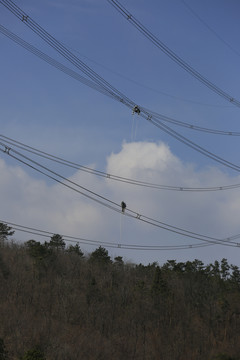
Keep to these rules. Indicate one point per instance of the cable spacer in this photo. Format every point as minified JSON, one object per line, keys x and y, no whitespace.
{"x":7,"y":149}
{"x":24,"y":18}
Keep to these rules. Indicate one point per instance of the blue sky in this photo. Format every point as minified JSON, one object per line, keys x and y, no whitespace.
{"x":46,"y":109}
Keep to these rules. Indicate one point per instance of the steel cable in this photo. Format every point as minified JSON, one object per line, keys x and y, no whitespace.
{"x":106,"y":202}
{"x":109,"y":176}
{"x":159,"y":44}
{"x":107,"y":87}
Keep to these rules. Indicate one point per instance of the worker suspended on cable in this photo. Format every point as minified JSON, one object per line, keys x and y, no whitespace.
{"x":123,"y":205}
{"x":136,"y":110}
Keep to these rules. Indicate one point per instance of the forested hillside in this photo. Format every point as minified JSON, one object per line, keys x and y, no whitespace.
{"x":57,"y":303}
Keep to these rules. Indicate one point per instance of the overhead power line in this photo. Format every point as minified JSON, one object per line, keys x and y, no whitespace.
{"x":172,"y":55}
{"x":62,"y":50}
{"x":190,"y":126}
{"x":108,"y":88}
{"x":194,"y":13}
{"x":153,"y":119}
{"x":75,"y":239}
{"x":109,"y":176}
{"x":91,"y":84}
{"x":51,"y":61}
{"x":134,"y":81}
{"x":105,"y":201}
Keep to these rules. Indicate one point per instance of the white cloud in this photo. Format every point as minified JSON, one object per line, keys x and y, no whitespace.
{"x":32,"y":201}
